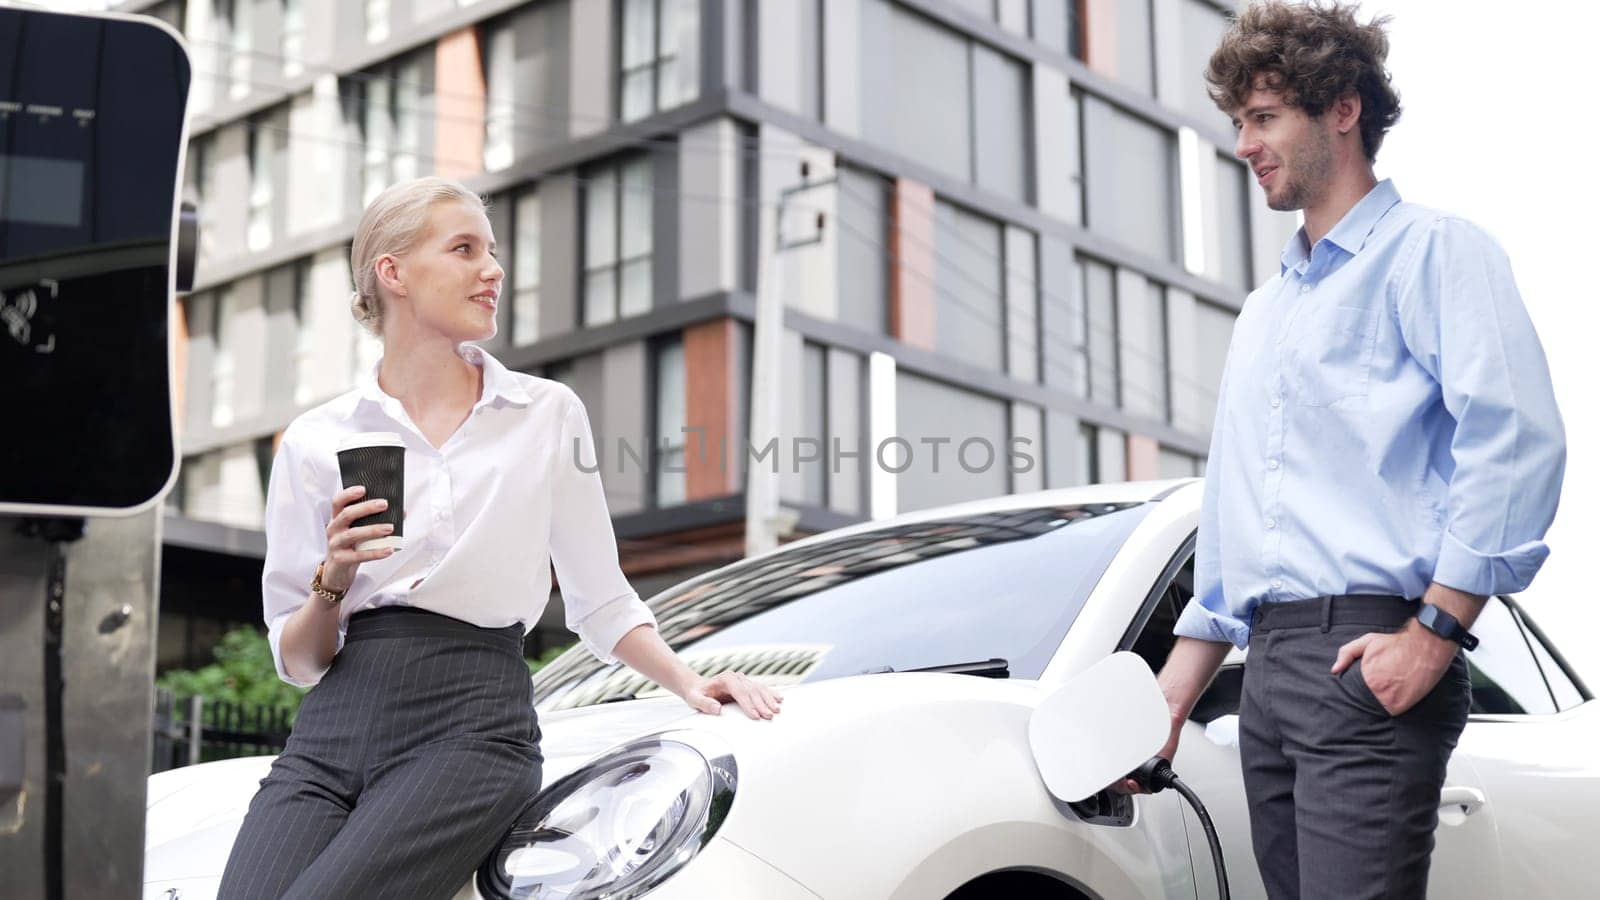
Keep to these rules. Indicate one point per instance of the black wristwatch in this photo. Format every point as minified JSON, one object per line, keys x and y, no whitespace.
{"x":1445,"y":625}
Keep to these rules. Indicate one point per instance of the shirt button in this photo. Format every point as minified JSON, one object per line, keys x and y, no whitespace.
{"x":1271,"y":524}
{"x":1305,"y":288}
{"x":1276,"y":584}
{"x":1272,"y":464}
{"x":1277,"y":402}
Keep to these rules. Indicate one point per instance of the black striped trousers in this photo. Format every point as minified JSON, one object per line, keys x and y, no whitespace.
{"x":407,"y":763}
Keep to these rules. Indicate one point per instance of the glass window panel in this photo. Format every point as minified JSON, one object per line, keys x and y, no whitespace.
{"x":1200,"y":25}
{"x":1143,"y":340}
{"x":600,"y":222}
{"x":635,"y":287}
{"x":525,"y":316}
{"x":1135,"y":47}
{"x":222,"y":367}
{"x":968,"y":298}
{"x":1176,"y":464}
{"x":671,"y":419}
{"x":863,"y":258}
{"x":305,"y":356}
{"x":1213,"y":333}
{"x":1022,"y":305}
{"x":377,"y":20}
{"x":636,"y":218}
{"x":811,"y":481}
{"x":926,"y":103}
{"x":638,"y":32}
{"x":939,"y":418}
{"x":1001,"y":127}
{"x":1505,"y":677}
{"x":525,"y":261}
{"x":672,"y":88}
{"x":638,"y":89}
{"x":407,"y":123}
{"x":1566,"y":693}
{"x":1233,"y":225}
{"x":1100,"y":329}
{"x":1131,"y":179}
{"x":680,"y":24}
{"x":499,"y":118}
{"x":600,"y":297}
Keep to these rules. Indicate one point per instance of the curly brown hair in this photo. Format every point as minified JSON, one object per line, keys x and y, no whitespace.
{"x":1313,"y":53}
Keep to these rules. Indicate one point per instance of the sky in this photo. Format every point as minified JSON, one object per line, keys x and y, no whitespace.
{"x":1493,"y":130}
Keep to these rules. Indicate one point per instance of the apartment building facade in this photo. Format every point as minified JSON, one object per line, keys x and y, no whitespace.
{"x":1034,"y":240}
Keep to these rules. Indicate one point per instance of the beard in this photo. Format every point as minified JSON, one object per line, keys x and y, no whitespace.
{"x":1306,"y":171}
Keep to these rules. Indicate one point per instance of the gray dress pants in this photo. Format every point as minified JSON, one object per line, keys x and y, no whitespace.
{"x":407,"y":764}
{"x":1344,"y":798}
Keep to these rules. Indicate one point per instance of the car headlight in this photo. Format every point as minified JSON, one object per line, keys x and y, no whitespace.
{"x":617,"y":827}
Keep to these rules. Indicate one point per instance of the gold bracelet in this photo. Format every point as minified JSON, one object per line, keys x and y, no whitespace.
{"x":333,"y":597}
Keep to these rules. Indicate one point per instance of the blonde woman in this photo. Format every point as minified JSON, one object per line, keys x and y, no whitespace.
{"x":418,"y":745}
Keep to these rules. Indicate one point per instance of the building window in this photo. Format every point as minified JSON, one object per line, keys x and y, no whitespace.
{"x":958,"y":440}
{"x":660,"y":55}
{"x":305,"y":359}
{"x":1201,"y":25}
{"x":671,"y":417}
{"x":1177,"y":464}
{"x":223,"y":326}
{"x":863,"y":250}
{"x":200,"y":179}
{"x":1075,"y":22}
{"x":258,"y":224}
{"x":1099,"y":294}
{"x":377,"y":19}
{"x":969,"y":287}
{"x":292,"y":42}
{"x":933,"y":95}
{"x":1132,"y":179}
{"x":234,"y":18}
{"x":499,"y":74}
{"x":1233,"y":222}
{"x":1142,"y":339}
{"x":525,"y":269}
{"x":617,"y":241}
{"x":390,"y":126}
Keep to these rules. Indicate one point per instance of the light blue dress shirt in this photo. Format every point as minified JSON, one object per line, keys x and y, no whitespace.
{"x":1385,"y":420}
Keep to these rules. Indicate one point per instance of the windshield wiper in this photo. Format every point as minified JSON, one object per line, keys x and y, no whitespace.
{"x":988,"y":668}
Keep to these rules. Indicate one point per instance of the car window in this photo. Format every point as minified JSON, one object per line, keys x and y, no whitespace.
{"x":1567,"y":692}
{"x":1002,"y":585}
{"x":1506,"y":678}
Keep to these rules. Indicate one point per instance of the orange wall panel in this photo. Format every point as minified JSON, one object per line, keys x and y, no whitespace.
{"x":460,"y":94}
{"x":1144,"y":457}
{"x":1100,"y":35}
{"x":911,"y":297}
{"x":709,"y":371}
{"x":180,"y":361}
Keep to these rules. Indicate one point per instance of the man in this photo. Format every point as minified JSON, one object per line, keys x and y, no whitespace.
{"x":1386,"y":434}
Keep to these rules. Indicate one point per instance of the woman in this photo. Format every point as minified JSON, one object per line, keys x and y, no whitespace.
{"x":419,"y":746}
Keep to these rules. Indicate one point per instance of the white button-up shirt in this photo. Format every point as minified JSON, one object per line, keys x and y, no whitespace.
{"x":514,"y":489}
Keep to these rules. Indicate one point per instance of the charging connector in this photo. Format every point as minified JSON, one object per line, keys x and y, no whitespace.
{"x":1155,"y":776}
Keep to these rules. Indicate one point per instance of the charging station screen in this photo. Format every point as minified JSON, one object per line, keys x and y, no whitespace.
{"x":91,"y":123}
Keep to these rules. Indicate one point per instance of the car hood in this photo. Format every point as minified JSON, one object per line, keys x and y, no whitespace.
{"x":192,"y":814}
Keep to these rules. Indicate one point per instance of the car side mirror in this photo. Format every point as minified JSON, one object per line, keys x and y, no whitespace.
{"x":1099,"y":726}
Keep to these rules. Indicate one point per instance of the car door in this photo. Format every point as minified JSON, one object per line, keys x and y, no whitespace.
{"x":1466,"y":854}
{"x":1531,"y":739}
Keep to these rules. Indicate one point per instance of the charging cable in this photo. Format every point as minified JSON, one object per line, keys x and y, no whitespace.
{"x":1156,"y":776}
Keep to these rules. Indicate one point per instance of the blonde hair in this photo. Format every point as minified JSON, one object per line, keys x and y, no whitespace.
{"x":392,"y":224}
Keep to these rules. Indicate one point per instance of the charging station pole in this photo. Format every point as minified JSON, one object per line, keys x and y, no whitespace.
{"x":92,"y":129}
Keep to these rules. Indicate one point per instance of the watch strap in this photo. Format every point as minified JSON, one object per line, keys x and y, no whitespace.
{"x":1446,"y":626}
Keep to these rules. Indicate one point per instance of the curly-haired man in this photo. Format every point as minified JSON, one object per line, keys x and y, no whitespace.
{"x":1387,"y":454}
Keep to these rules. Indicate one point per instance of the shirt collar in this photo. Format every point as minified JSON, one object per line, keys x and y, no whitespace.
{"x":1352,"y":231}
{"x":497,"y":382}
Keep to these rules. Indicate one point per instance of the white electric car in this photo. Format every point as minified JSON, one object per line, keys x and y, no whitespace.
{"x":912,"y":653}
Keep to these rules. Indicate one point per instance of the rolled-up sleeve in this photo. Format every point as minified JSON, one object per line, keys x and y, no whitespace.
{"x":296,"y":529}
{"x":601,"y":606}
{"x":1464,"y":322}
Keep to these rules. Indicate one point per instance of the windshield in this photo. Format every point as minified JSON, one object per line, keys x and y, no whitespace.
{"x":1003,"y":585}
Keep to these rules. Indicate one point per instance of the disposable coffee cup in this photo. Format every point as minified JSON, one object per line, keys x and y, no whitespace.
{"x":377,"y":459}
